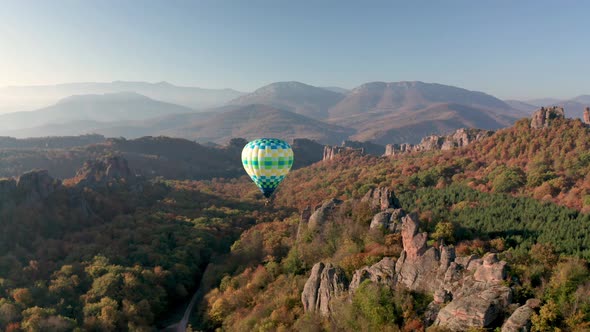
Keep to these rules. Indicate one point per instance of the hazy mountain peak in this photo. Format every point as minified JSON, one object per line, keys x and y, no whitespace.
{"x":584,"y":99}
{"x":293,"y":96}
{"x":336,"y":89}
{"x":115,"y":96}
{"x":287,"y":86}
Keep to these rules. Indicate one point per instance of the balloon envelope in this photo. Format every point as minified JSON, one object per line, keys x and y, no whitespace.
{"x":267,"y":161}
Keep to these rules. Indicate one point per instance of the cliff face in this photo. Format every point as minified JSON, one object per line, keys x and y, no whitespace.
{"x":460,"y":138}
{"x":543,"y":117}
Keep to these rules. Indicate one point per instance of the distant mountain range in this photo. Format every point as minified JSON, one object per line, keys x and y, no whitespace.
{"x":92,"y":109}
{"x":28,"y":98}
{"x":381,"y":112}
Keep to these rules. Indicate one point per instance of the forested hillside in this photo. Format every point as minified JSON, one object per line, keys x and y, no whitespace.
{"x":110,"y":252}
{"x":520,"y":194}
{"x":549,"y":164}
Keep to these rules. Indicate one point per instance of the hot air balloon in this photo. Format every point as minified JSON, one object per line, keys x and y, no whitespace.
{"x":267,"y":161}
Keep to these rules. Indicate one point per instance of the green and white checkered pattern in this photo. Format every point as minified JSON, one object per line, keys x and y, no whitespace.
{"x":267,"y":161}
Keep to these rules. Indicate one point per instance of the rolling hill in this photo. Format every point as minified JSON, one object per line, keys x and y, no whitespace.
{"x":382,"y":97}
{"x":411,"y":126}
{"x":296,"y":97}
{"x":521,"y":105}
{"x":253,"y":121}
{"x":400,"y":112}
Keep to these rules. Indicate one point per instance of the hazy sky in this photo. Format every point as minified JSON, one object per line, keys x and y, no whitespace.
{"x":512,"y":49}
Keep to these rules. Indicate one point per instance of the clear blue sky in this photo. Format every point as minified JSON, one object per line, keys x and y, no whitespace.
{"x":512,"y":49}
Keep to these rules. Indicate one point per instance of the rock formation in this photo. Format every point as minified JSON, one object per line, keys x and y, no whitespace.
{"x":325,"y":283}
{"x":303,"y":221}
{"x":460,"y":138}
{"x":367,"y":147}
{"x":543,"y":117}
{"x":322,"y":213}
{"x":520,"y":320}
{"x":473,"y":285}
{"x":587,"y":115}
{"x":388,"y":220}
{"x":353,"y":147}
{"x":382,"y":272}
{"x":381,"y":198}
{"x":36,"y":185}
{"x":330,"y":152}
{"x":103,"y":171}
{"x":468,"y":291}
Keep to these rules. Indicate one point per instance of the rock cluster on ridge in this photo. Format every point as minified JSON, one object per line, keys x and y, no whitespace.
{"x":543,"y":117}
{"x":468,"y":291}
{"x":460,"y":138}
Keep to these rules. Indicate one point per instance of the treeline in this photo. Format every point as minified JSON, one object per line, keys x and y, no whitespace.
{"x":54,"y":142}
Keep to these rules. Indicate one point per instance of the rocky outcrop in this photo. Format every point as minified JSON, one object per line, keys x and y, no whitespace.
{"x":389,"y":220}
{"x":103,"y":171}
{"x":490,"y":269}
{"x":367,"y":147}
{"x":322,"y":213}
{"x":587,"y":115}
{"x":381,"y":198}
{"x":473,"y":285}
{"x":543,"y":117}
{"x":325,"y":283}
{"x":382,"y":272}
{"x":520,"y":320}
{"x":463,"y":137}
{"x":397,"y":149}
{"x":468,"y":291}
{"x":477,"y":309}
{"x":413,"y":241}
{"x":460,"y":138}
{"x":35,"y":186}
{"x":303,"y":221}
{"x":330,"y":152}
